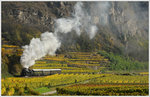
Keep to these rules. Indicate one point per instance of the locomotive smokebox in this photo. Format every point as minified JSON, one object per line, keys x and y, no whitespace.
{"x":26,"y":72}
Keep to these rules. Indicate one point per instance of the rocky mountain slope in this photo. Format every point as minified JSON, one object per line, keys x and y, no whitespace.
{"x":122,"y":26}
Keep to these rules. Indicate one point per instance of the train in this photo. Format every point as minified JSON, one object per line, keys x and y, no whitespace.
{"x":39,"y":72}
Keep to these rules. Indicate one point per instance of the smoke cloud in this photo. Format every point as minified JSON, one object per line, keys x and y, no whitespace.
{"x":80,"y":21}
{"x":49,"y":42}
{"x":38,"y":48}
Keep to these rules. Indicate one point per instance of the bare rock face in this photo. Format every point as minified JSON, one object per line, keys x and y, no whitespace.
{"x":36,"y":13}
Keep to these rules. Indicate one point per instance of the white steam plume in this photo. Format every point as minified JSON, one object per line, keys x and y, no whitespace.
{"x":48,"y":43}
{"x":38,"y":48}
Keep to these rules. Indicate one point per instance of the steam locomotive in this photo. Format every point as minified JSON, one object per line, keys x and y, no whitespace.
{"x":39,"y":72}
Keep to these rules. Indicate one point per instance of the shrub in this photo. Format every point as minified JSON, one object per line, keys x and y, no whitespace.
{"x":10,"y":92}
{"x":21,"y":91}
{"x":3,"y":91}
{"x":120,"y":63}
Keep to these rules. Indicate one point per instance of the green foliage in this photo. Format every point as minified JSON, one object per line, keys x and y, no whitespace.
{"x":120,"y":63}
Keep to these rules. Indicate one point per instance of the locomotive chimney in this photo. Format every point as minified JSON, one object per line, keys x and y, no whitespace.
{"x":25,"y":72}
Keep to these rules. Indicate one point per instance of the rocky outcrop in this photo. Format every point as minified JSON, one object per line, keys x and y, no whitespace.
{"x":36,"y":13}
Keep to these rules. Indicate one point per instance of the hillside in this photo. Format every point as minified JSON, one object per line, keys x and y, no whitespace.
{"x":122,"y":27}
{"x":117,"y":32}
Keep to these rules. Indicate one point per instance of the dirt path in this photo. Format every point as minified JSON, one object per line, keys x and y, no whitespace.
{"x":54,"y":91}
{"x":48,"y":93}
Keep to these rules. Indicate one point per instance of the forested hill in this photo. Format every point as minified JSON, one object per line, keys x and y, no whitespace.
{"x":122,"y":26}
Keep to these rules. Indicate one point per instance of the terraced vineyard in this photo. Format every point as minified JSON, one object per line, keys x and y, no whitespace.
{"x":74,"y":62}
{"x":122,"y":79}
{"x":110,"y":85}
{"x":104,"y":90}
{"x":22,"y":85}
{"x":82,"y":74}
